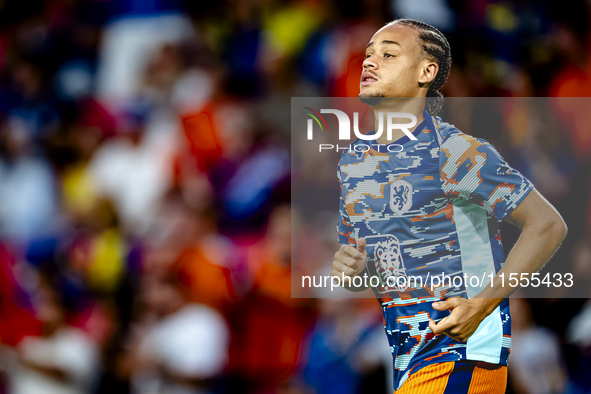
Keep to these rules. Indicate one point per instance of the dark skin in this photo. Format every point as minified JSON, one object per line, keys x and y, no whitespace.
{"x":542,"y":232}
{"x":401,"y":71}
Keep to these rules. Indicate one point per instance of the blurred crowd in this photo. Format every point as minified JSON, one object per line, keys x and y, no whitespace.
{"x":145,"y":190}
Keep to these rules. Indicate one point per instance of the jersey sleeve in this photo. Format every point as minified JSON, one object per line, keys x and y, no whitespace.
{"x":344,"y":227}
{"x":473,"y":170}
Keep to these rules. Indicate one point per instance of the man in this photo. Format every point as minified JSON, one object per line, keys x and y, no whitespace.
{"x":434,"y":208}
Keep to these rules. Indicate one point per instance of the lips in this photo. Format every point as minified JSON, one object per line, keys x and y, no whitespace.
{"x":367,"y":78}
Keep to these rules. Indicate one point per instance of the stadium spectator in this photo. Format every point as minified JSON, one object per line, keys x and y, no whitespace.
{"x":184,"y":349}
{"x":62,"y":360}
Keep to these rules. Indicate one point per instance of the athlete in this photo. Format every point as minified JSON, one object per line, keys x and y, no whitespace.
{"x":433,"y":209}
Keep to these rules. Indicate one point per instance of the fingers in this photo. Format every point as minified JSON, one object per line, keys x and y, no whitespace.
{"x":444,"y":324}
{"x":447,"y":326}
{"x":448,"y":304}
{"x":350,"y":251}
{"x":350,"y":256}
{"x":455,"y":325}
{"x":339,"y":268}
{"x":361,"y":244}
{"x":348,"y":260}
{"x":433,"y":326}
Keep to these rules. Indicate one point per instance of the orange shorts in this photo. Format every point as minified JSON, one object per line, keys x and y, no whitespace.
{"x":458,"y":377}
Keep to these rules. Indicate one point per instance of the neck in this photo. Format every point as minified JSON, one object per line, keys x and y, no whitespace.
{"x":414,"y":106}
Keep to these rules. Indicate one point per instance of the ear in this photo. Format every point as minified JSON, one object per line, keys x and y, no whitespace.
{"x":428,"y":72}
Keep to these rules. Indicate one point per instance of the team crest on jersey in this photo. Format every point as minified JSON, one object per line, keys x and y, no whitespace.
{"x":387,"y":262}
{"x":400,"y":196}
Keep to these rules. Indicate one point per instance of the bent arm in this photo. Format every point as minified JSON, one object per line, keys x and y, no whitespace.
{"x":542,"y":232}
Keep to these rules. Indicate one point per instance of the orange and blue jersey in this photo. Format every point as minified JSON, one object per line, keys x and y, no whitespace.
{"x":430,"y":209}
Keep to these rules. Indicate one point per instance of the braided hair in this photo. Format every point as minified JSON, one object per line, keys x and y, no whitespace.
{"x":436,"y":49}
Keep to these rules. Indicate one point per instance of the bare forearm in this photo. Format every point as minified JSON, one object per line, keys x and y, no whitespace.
{"x":535,"y":246}
{"x":542,"y":231}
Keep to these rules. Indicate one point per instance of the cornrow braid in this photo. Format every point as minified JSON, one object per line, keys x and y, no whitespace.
{"x":436,"y":49}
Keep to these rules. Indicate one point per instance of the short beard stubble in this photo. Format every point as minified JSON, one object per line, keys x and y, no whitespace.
{"x":372,"y":100}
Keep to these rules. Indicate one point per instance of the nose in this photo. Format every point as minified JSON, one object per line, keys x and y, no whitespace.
{"x":369,"y":62}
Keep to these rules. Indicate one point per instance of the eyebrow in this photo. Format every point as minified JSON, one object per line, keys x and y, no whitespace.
{"x":385,"y":42}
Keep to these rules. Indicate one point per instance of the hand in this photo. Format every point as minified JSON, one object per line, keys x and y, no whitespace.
{"x":464,"y":319}
{"x":349,"y":260}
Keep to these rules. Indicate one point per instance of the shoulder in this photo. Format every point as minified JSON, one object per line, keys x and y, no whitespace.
{"x":455,"y":142}
{"x":451,"y":135}
{"x":444,"y":129}
{"x":459,"y":150}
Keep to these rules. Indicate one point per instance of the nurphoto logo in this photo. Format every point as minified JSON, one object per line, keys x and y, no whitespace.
{"x":345,"y":128}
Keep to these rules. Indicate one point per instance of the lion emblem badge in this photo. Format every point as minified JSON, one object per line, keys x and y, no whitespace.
{"x":400,"y":196}
{"x":388,"y":259}
{"x":385,"y":261}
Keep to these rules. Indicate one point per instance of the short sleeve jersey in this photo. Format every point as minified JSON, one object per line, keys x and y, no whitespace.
{"x":430,"y":209}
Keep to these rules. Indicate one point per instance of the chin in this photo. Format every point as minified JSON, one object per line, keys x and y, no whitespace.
{"x":371,"y":99}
